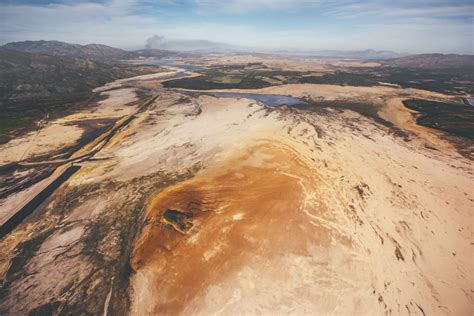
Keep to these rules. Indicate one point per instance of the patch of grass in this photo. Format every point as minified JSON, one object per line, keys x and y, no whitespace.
{"x":341,"y":78}
{"x":454,"y":118}
{"x":235,"y":77}
{"x":448,"y":81}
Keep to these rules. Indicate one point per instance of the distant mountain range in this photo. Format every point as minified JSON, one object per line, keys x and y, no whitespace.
{"x":352,"y":54}
{"x":162,"y":48}
{"x":56,"y":48}
{"x":185,"y":48}
{"x":90,"y":51}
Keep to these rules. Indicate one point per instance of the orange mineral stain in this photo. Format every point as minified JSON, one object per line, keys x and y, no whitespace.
{"x":248,"y":210}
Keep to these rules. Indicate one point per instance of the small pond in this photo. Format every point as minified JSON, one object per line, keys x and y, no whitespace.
{"x":268,"y":99}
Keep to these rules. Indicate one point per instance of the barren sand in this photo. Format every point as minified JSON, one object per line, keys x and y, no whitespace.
{"x":206,"y":205}
{"x":388,"y":99}
{"x":50,"y":138}
{"x":118,"y":103}
{"x":344,"y":221}
{"x":244,"y":212}
{"x":65,"y":132}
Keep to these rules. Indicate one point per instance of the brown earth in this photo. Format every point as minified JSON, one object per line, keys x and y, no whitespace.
{"x":251,"y":207}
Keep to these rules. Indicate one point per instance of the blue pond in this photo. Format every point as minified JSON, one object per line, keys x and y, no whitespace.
{"x":172,"y":63}
{"x":268,"y":99}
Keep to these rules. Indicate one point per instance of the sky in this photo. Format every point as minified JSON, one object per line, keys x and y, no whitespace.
{"x":415,"y":26}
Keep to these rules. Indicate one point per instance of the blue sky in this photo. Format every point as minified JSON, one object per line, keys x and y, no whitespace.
{"x":405,"y":26}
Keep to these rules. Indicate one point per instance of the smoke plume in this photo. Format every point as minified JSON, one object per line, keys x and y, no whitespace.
{"x":155,"y":42}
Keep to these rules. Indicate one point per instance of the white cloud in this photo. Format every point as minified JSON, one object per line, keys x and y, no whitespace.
{"x":348,"y":24}
{"x":81,"y":22}
{"x":398,"y":10}
{"x":256,"y":5}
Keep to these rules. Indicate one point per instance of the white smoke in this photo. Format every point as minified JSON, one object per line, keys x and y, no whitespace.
{"x":160,"y":42}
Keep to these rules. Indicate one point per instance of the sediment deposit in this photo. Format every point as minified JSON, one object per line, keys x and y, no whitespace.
{"x":206,"y":205}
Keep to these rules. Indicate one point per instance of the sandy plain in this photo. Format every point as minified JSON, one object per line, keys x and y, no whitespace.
{"x":282,"y":210}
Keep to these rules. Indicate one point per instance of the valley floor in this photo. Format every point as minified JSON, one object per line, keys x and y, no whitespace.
{"x":210,"y":205}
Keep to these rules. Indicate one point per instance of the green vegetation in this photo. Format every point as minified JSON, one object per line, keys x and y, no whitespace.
{"x":341,"y":78}
{"x":241,"y":76}
{"x":446,"y":80}
{"x":211,"y":81}
{"x":25,"y":76}
{"x":449,"y":81}
{"x":454,"y":118}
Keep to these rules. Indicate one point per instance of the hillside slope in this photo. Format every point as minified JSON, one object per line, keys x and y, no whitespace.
{"x":56,"y":48}
{"x":25,"y":75}
{"x":435,"y":61}
{"x":35,"y":85}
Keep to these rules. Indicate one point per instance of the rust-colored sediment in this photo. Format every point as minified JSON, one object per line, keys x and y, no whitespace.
{"x":248,"y":210}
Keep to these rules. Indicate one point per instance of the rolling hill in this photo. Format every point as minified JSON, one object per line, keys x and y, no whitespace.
{"x":433,"y":61}
{"x":26,"y":75}
{"x":56,"y":48}
{"x":34,"y":84}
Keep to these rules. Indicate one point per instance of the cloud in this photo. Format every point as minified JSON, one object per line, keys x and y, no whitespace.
{"x":255,"y":5}
{"x":382,"y":9}
{"x":345,"y":8}
{"x":292,"y":6}
{"x":403,"y":25}
{"x":82,"y":22}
